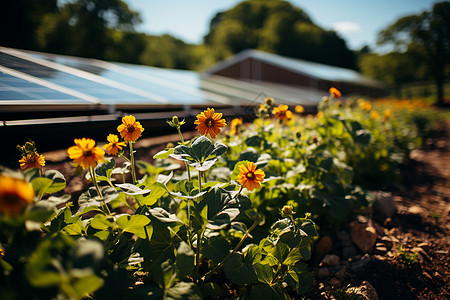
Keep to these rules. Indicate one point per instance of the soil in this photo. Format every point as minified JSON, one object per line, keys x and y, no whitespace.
{"x":410,"y":258}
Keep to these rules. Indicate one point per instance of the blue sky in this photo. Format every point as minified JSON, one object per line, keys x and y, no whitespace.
{"x":357,"y":21}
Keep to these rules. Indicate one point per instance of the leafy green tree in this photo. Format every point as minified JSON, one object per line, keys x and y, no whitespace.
{"x":426,"y":37}
{"x":394,"y":68}
{"x":277,"y":27}
{"x":19,"y":20}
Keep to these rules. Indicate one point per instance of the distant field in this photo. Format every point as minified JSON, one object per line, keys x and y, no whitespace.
{"x":426,"y":90}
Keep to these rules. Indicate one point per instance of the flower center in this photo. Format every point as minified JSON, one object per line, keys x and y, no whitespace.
{"x":130,"y":128}
{"x":250,"y":175}
{"x":209,"y":122}
{"x":87,"y":153}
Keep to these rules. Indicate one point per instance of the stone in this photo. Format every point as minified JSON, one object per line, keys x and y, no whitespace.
{"x":335,"y":282}
{"x":384,"y":203}
{"x":387,"y":241}
{"x":416,"y":210}
{"x":341,"y":273}
{"x":359,"y":264}
{"x":343,"y":235}
{"x":366,"y":291}
{"x":349,"y":251}
{"x":424,"y":246}
{"x":381,"y":249}
{"x":331,"y":260}
{"x":388,"y":222}
{"x":363,"y":236}
{"x":323,"y":246}
{"x":323,"y":273}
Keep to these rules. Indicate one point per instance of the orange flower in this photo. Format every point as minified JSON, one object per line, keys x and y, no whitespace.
{"x":130,"y":130}
{"x":320,"y":114}
{"x":209,"y":122}
{"x":114,"y":145}
{"x":235,"y":123}
{"x":387,"y":114}
{"x":34,"y":160}
{"x":299,"y":109}
{"x":282,"y":112}
{"x":250,"y":177}
{"x":335,"y":92}
{"x":85,"y":153}
{"x":374,"y":115}
{"x":15,"y":195}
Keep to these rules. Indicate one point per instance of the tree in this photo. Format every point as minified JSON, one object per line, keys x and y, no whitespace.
{"x":277,"y":27}
{"x":394,"y":68}
{"x":426,"y":37}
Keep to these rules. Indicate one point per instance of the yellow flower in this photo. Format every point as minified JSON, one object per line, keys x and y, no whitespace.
{"x":387,"y":114}
{"x":250,"y":177}
{"x":15,"y":195}
{"x":235,"y":123}
{"x":130,"y":130}
{"x":209,"y":122}
{"x":282,"y":112}
{"x":34,"y":160}
{"x":85,"y":153}
{"x":299,"y":109}
{"x":335,"y":92}
{"x":374,"y":115}
{"x":364,"y":105}
{"x":114,"y":145}
{"x":320,"y":114}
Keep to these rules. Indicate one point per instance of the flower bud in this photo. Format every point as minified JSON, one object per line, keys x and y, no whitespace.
{"x":175,"y":120}
{"x":287,"y":210}
{"x":269,"y":101}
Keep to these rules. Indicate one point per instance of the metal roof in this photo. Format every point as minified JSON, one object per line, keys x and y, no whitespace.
{"x":311,"y":69}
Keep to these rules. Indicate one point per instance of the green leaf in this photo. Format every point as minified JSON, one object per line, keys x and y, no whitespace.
{"x":269,"y":292}
{"x":100,"y":222}
{"x":239,"y":272}
{"x":293,"y":257}
{"x":131,"y":189}
{"x":183,"y":290}
{"x":163,"y":154}
{"x":133,"y":224}
{"x":103,"y":170}
{"x":184,"y":262}
{"x":149,"y":168}
{"x":216,"y":248}
{"x":264,"y":273}
{"x":58,"y":181}
{"x":87,"y":285}
{"x":202,"y":154}
{"x":41,"y":185}
{"x":72,"y":229}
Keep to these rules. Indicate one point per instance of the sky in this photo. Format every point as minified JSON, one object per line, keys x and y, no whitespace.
{"x":356,"y":21}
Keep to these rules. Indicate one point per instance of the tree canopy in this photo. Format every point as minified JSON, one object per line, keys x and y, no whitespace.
{"x":276,"y":27}
{"x":425,"y":38}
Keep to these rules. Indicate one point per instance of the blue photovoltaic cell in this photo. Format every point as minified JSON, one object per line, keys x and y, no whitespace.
{"x":152,"y":80}
{"x":106,"y":94}
{"x":14,"y":88}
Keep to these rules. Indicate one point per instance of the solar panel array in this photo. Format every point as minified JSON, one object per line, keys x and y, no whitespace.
{"x":30,"y":80}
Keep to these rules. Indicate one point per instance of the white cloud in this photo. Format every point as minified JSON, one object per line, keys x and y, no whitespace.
{"x":346,"y":27}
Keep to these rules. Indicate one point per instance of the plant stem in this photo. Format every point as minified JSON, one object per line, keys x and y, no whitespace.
{"x":133,"y":169}
{"x":219,"y":265}
{"x":99,"y":192}
{"x":197,"y":253}
{"x":189,"y":179}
